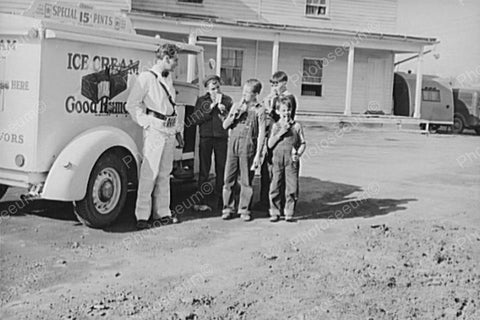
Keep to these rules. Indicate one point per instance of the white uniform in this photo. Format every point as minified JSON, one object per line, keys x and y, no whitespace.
{"x":158,"y":143}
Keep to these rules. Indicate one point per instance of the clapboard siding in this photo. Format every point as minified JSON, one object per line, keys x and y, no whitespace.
{"x":19,"y":6}
{"x":13,"y":6}
{"x":225,"y":9}
{"x":371,"y":15}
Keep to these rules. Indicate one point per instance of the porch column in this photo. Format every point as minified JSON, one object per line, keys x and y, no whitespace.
{"x":218,"y":64}
{"x":275,"y":53}
{"x":348,"y":95}
{"x":192,"y":39}
{"x":418,"y":85}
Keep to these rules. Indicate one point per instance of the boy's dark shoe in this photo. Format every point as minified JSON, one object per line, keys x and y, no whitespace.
{"x":274,"y":218}
{"x":246,"y":217}
{"x":143,"y":224}
{"x":228,"y":214}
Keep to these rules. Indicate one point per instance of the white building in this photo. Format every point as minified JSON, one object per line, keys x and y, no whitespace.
{"x":339,"y":54}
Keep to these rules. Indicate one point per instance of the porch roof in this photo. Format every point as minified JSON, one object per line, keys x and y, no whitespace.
{"x":177,"y":22}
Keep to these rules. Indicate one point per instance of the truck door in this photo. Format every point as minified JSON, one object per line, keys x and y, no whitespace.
{"x":19,"y":105}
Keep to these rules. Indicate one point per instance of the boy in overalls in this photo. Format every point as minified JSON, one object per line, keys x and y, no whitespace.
{"x":246,"y":122}
{"x":279,"y":90}
{"x":288,"y":144}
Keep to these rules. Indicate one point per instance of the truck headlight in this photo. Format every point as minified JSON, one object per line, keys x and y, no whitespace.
{"x":19,"y":160}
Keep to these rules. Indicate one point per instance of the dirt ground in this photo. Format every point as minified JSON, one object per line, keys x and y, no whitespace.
{"x":388,"y":228}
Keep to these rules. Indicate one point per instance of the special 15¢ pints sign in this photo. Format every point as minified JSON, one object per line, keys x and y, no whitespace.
{"x":80,"y":15}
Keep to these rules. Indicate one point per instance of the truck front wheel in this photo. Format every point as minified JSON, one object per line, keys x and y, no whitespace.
{"x":458,"y":124}
{"x":3,"y":190}
{"x":106,"y":193}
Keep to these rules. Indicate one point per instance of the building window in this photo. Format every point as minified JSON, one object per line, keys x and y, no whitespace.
{"x":232,"y":63}
{"x":431,"y":94}
{"x":316,"y":8}
{"x":312,"y":77}
{"x":191,"y":1}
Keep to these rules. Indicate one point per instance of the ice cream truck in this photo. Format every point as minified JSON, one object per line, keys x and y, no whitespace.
{"x":65,"y":75}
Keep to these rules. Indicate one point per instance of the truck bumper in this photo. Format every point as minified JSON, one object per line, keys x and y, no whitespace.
{"x":21,"y":179}
{"x":473,"y":122}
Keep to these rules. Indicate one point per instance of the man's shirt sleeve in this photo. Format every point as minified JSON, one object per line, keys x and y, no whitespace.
{"x":135,"y":105}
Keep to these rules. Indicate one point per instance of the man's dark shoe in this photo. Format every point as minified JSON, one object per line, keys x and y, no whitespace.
{"x":174,"y":219}
{"x":143,"y":224}
{"x":163,"y":221}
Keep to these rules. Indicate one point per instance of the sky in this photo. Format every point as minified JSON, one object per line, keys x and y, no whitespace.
{"x":456,"y":23}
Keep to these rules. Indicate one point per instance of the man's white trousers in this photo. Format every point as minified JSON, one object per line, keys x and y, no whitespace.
{"x":154,"y":180}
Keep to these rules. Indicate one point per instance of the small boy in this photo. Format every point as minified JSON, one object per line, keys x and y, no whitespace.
{"x":288,"y":144}
{"x":246,"y":122}
{"x":278,"y":84}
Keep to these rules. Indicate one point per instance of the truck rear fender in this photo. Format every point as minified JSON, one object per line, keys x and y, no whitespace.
{"x":68,"y":177}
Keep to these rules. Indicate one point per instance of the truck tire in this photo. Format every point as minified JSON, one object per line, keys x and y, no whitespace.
{"x":458,"y":124}
{"x":433,"y":128}
{"x":106,"y":193}
{"x":477,"y":130}
{"x":3,"y":190}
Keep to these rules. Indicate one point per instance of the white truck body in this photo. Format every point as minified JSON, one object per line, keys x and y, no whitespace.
{"x":60,"y":110}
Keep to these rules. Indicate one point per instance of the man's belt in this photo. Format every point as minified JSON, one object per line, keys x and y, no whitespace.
{"x":158,"y":115}
{"x":169,"y":120}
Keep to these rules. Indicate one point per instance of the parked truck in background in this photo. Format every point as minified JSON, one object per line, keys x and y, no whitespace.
{"x":467,"y":110}
{"x":436,"y":100}
{"x":442,"y":105}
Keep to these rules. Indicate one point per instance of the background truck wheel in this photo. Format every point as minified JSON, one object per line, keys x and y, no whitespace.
{"x":433,"y":128}
{"x":3,"y":190}
{"x":458,"y":124}
{"x":477,"y":130}
{"x":106,"y":193}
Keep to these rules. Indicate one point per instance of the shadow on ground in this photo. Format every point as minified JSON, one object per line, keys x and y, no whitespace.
{"x":331,"y":200}
{"x":43,"y":208}
{"x":318,"y":200}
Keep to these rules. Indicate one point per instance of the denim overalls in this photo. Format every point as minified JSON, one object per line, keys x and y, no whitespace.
{"x":242,"y":145}
{"x":284,"y":174}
